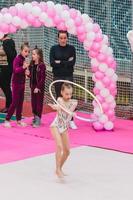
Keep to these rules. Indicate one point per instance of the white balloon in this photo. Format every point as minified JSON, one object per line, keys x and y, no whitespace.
{"x":105,"y":39}
{"x":115,"y":77}
{"x":58,"y":8}
{"x":87,"y":44}
{"x":104,"y":48}
{"x":69,"y":24}
{"x":65,"y":15}
{"x":19,"y":5}
{"x":103,"y":67}
{"x":94,"y":62}
{"x":110,"y":72}
{"x":110,"y":99}
{"x":103,"y":119}
{"x":109,"y":125}
{"x":16,"y":21}
{"x":24,"y":24}
{"x":91,"y":36}
{"x":49,"y":23}
{"x":104,"y":92}
{"x":7,"y":18}
{"x":36,"y":11}
{"x":97,"y":111}
{"x":89,"y":27}
{"x":1,"y":18}
{"x":43,"y":17}
{"x":99,"y":85}
{"x":50,"y":4}
{"x":28,"y":7}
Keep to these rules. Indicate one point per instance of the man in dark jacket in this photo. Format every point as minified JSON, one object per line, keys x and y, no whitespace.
{"x":62,"y":60}
{"x":6,"y":68}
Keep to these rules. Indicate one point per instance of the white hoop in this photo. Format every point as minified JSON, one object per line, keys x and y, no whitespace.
{"x":67,"y":111}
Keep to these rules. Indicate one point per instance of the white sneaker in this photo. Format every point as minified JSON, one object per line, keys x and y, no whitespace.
{"x":72,"y":125}
{"x":23,"y":124}
{"x":7,"y":124}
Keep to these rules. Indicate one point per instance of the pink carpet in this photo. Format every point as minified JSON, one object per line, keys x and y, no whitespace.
{"x":20,"y":143}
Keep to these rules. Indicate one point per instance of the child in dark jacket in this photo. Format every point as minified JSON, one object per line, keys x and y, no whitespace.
{"x":18,"y":85}
{"x":37,"y":74}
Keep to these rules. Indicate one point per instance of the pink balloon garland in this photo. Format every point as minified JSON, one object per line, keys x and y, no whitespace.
{"x":62,"y":17}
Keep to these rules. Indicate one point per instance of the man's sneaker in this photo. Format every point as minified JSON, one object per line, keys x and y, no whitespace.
{"x":72,"y":125}
{"x":22,"y":124}
{"x":37,"y":122}
{"x":7,"y":124}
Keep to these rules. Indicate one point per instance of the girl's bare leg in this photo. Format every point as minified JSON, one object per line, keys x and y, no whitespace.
{"x":66,"y":148}
{"x":59,"y":149}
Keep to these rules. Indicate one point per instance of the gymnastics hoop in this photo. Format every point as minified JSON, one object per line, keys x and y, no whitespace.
{"x":67,"y":111}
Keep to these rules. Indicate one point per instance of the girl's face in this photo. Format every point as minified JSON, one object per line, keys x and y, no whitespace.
{"x":62,"y":39}
{"x":67,"y":93}
{"x":25,"y":52}
{"x":35,"y":56}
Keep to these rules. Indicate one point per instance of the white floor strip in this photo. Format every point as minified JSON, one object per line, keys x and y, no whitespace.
{"x":93,"y":174}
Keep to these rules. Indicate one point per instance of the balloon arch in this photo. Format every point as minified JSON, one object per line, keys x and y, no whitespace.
{"x":103,"y":64}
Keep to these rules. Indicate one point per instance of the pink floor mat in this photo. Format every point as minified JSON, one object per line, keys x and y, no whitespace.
{"x":19,"y":143}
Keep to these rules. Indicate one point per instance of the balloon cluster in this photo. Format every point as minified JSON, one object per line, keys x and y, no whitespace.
{"x":130,"y":38}
{"x":89,"y":33}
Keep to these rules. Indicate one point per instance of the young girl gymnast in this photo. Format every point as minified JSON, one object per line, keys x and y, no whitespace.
{"x":37,"y":74}
{"x":59,"y":126}
{"x":18,"y":85}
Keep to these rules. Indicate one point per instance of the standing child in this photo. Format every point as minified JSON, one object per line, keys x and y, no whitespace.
{"x":37,"y":83}
{"x":18,"y":86}
{"x":59,"y":126}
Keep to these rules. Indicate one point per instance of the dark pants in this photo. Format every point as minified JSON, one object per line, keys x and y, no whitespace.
{"x":17,"y":102}
{"x":58,"y":85}
{"x":5,"y":84}
{"x":37,"y":102}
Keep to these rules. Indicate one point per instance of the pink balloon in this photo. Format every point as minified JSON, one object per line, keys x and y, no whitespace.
{"x":57,"y":20}
{"x":31,"y":19}
{"x":99,"y":75}
{"x":98,"y":126}
{"x":112,"y":87}
{"x":4,"y":28}
{"x":93,"y":54}
{"x":113,"y":65}
{"x":96,"y":91}
{"x":80,"y":30}
{"x":37,"y":23}
{"x":101,"y":57}
{"x":105,"y":106}
{"x":106,"y":81}
{"x":109,"y":60}
{"x":98,"y":37}
{"x":78,"y":21}
{"x":61,"y":26}
{"x":22,"y":14}
{"x":100,"y":98}
{"x":73,"y":13}
{"x":94,"y":68}
{"x":12,"y":28}
{"x":13,"y":11}
{"x":96,"y":46}
{"x":51,"y":12}
{"x":96,"y":28}
{"x":82,"y":37}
